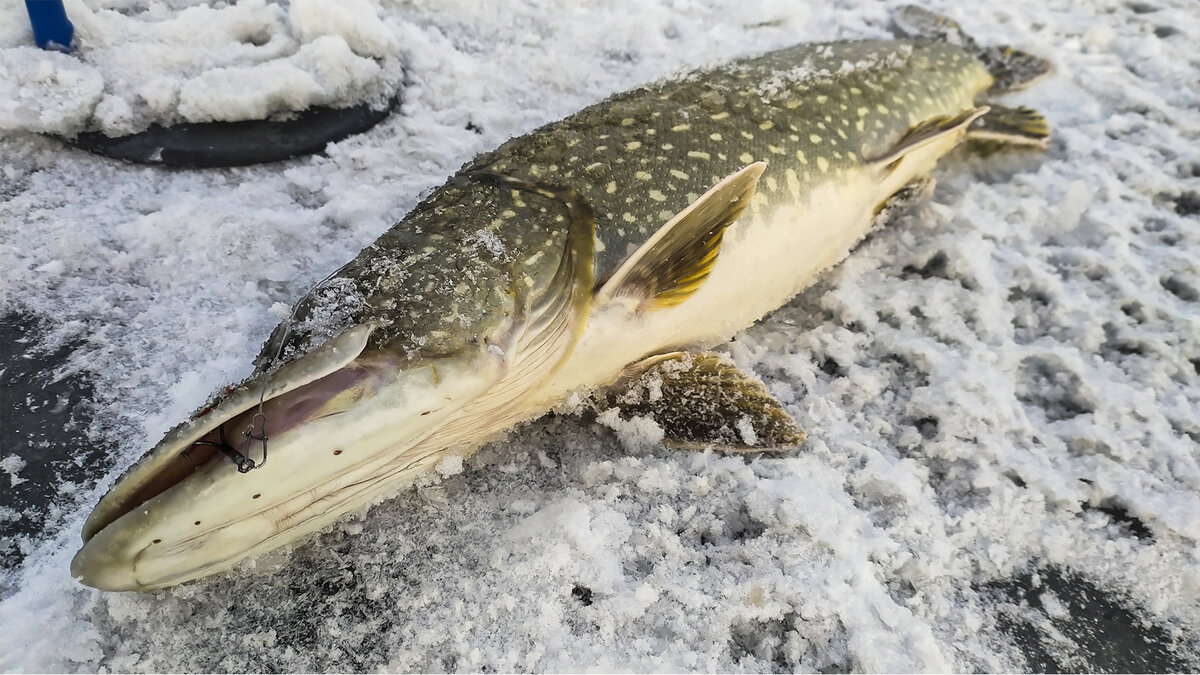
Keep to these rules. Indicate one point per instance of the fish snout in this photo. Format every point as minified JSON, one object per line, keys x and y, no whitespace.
{"x":106,"y":565}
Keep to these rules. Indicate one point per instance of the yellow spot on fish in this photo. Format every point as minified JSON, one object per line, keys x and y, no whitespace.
{"x":823,"y":164}
{"x":766,"y":125}
{"x":681,"y":127}
{"x":747,"y":135}
{"x":642,"y":175}
{"x":881,"y":108}
{"x":628,"y":217}
{"x":859,"y":125}
{"x":720,"y":116}
{"x":793,"y":182}
{"x":775,"y":149}
{"x":862,"y":112}
{"x":627,"y":122}
{"x":679,"y":174}
{"x":633,"y":145}
{"x":855,"y":90}
{"x":772,"y":184}
{"x":611,"y":187}
{"x":822,"y":98}
{"x":814,"y":138}
{"x":657,"y":196}
{"x":792,"y":103}
{"x":508,"y":213}
{"x":746,"y":158}
{"x":667,"y":146}
{"x":714,"y":137}
{"x":842,"y":134}
{"x":800,"y":156}
{"x":696,"y":154}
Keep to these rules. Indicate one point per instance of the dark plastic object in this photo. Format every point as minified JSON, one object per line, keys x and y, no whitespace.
{"x":221,"y":144}
{"x":51,"y":27}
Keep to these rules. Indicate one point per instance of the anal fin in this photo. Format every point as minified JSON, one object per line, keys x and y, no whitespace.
{"x":676,"y":260}
{"x":924,"y":133}
{"x":703,"y":401}
{"x":1011,"y":126}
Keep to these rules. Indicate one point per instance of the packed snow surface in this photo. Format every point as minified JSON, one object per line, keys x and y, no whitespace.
{"x":1003,"y":382}
{"x":166,"y":62}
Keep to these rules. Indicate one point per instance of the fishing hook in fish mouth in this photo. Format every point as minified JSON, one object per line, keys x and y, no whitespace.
{"x":243,"y":462}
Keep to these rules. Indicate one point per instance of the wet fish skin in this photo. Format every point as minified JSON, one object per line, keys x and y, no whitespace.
{"x":638,"y":158}
{"x":505,"y":289}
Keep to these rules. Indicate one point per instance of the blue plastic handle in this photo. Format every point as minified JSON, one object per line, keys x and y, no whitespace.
{"x":51,"y":27}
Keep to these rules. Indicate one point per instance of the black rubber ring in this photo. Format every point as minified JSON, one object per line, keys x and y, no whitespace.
{"x":208,"y":145}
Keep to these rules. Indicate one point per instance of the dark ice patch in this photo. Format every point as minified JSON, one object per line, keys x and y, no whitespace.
{"x":45,"y":420}
{"x":1064,"y":623}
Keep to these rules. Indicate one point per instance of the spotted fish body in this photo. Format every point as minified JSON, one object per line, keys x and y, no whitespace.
{"x":814,"y":113}
{"x":663,"y":219}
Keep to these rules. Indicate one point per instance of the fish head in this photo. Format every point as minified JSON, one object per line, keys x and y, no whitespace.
{"x":323,"y":433}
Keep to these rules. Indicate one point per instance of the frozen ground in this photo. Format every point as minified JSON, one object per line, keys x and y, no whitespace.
{"x":1000,"y":391}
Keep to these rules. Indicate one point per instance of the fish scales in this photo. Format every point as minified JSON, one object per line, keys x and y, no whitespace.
{"x":620,"y":241}
{"x":638,"y":158}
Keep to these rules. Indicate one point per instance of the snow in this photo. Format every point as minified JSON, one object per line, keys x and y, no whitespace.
{"x":986,"y":384}
{"x":145,"y":63}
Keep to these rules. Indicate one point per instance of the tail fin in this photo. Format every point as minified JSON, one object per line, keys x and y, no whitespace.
{"x":1011,"y":68}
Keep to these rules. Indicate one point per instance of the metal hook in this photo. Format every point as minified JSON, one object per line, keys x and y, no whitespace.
{"x":261,"y":437}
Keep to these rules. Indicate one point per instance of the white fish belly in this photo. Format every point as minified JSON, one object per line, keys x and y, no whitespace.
{"x":781,"y":244}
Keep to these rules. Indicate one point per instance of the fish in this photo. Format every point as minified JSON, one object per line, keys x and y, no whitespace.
{"x":621,"y":243}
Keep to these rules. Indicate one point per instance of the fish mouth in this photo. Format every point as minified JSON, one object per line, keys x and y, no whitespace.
{"x":322,"y":383}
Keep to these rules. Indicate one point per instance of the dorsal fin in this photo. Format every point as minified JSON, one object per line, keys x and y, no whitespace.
{"x":925,"y":133}
{"x":1011,"y":69}
{"x":672,"y":265}
{"x":918,"y":23}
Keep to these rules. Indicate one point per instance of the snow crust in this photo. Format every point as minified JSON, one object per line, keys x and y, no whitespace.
{"x":984,"y":384}
{"x":136,"y":63}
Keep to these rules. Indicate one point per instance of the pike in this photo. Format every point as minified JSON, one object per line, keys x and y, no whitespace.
{"x":622,"y":240}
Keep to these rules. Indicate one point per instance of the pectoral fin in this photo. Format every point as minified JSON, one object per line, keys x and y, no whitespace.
{"x":703,"y":401}
{"x":672,"y":265}
{"x":924,"y":133}
{"x":905,"y":199}
{"x":1011,"y":126}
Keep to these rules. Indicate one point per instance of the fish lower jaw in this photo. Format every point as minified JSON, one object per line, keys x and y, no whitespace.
{"x":159,"y":545}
